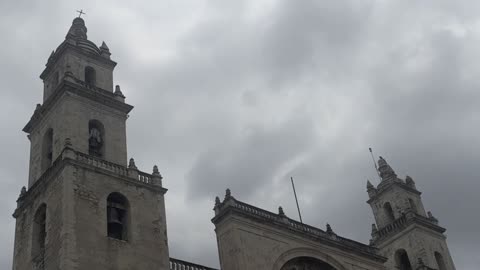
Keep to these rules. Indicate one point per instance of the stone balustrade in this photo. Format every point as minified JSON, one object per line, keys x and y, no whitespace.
{"x":296,"y":225}
{"x":176,"y":264}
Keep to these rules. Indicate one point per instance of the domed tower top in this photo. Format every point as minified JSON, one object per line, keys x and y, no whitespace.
{"x":80,"y":59}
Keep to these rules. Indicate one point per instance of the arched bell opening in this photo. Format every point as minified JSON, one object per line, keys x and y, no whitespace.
{"x":307,"y":263}
{"x":117,"y":216}
{"x":402,"y":261}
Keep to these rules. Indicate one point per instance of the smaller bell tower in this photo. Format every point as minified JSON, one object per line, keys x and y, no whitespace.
{"x":404,"y":232}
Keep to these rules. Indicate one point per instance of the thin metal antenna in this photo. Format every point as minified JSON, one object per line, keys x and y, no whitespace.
{"x":296,"y":200}
{"x":374,"y":163}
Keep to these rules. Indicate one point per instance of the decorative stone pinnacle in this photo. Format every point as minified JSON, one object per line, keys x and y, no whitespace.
{"x":68,"y":142}
{"x":23,"y":191}
{"x":280,"y":211}
{"x":118,"y":92}
{"x":369,"y":185}
{"x":386,"y":172}
{"x":104,"y":46}
{"x":374,"y":228}
{"x":38,"y":107}
{"x":155,"y":170}
{"x":431,"y":217}
{"x":217,"y":201}
{"x":228,"y":193}
{"x":329,"y":229}
{"x":131,"y":164}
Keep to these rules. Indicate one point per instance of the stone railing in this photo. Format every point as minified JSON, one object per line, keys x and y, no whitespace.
{"x":297,"y":226}
{"x":176,"y":264}
{"x":100,"y":163}
{"x":395,"y":226}
{"x":404,"y":221}
{"x":130,"y":172}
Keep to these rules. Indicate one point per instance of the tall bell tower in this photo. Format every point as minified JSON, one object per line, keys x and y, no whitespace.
{"x":407,"y":235}
{"x":85,"y":207}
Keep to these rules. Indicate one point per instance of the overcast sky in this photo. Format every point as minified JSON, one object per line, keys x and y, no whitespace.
{"x":245,"y":94}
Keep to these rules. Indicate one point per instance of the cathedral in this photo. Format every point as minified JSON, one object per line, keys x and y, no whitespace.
{"x":88,"y":207}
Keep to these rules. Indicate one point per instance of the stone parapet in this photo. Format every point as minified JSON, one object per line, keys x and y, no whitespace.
{"x":176,"y":264}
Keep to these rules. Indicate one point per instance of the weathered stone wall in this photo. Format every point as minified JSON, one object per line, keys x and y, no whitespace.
{"x":398,"y":198}
{"x":247,"y":244}
{"x":418,"y":242}
{"x":75,"y":63}
{"x":69,"y":118}
{"x":146,"y":246}
{"x":49,"y":193}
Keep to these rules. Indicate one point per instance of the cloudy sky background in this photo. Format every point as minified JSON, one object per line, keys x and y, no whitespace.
{"x":245,"y":94}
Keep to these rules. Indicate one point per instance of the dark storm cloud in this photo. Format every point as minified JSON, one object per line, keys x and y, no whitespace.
{"x":246,"y":94}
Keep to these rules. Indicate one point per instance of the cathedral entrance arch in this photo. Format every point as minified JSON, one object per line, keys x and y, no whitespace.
{"x":306,"y":259}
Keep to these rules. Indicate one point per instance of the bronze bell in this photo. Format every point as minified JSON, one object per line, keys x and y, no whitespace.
{"x":114,"y":216}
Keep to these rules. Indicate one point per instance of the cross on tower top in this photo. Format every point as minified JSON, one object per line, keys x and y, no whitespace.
{"x":80,"y":13}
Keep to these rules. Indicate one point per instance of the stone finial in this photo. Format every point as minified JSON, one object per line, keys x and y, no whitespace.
{"x":104,"y":47}
{"x":118,"y":94}
{"x":23,"y":191}
{"x":369,"y":185}
{"x":228,"y":193}
{"x":432,"y":218}
{"x":329,"y":229}
{"x":155,"y":170}
{"x":409,"y":181}
{"x":131,"y":164}
{"x":280,"y":211}
{"x":374,"y":228}
{"x":78,"y":30}
{"x":38,"y":107}
{"x":386,"y":172}
{"x":68,"y":142}
{"x":217,"y":201}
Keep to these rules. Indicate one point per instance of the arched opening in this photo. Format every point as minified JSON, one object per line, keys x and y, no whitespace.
{"x":39,"y":234}
{"x":387,"y":207}
{"x":402,"y":261}
{"x":90,"y":76}
{"x":96,"y":135}
{"x":307,"y":263}
{"x":440,"y":262}
{"x":117,"y":216}
{"x":47,"y":149}
{"x":413,"y":206}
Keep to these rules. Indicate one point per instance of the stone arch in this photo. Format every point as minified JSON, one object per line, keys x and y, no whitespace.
{"x":310,"y":253}
{"x":96,"y":138}
{"x":440,"y":261}
{"x":402,"y":261}
{"x":90,"y":76}
{"x":47,"y":149}
{"x":387,"y":208}
{"x":413,"y":206}
{"x":118,"y":216}
{"x":39,"y":233}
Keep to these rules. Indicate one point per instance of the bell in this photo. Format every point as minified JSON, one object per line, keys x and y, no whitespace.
{"x":114,"y":216}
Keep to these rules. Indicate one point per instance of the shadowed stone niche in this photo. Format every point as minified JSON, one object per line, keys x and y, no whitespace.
{"x":307,"y":263}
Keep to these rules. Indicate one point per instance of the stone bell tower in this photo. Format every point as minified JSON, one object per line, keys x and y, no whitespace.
{"x":85,"y":207}
{"x":407,"y":235}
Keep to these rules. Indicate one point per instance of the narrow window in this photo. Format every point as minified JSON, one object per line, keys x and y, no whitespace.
{"x":402,"y":260}
{"x":413,"y":206}
{"x":389,"y":212}
{"x":96,"y":138}
{"x":47,"y":149}
{"x":39,"y":235}
{"x":90,"y":76}
{"x":440,"y":262}
{"x":117,"y":216}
